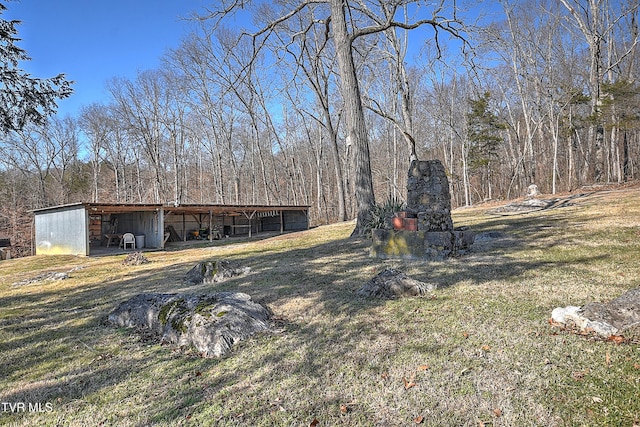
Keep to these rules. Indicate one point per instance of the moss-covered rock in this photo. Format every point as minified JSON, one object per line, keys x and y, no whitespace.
{"x":212,"y":323}
{"x":210,"y":272}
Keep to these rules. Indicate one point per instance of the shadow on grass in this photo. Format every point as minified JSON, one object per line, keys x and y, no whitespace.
{"x":61,"y":338}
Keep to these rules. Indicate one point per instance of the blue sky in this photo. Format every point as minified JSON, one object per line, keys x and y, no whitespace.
{"x":92,"y":41}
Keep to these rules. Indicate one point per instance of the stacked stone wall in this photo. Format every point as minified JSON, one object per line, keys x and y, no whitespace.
{"x":429,"y":201}
{"x":428,"y":195}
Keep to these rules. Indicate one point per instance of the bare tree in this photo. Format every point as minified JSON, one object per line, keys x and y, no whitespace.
{"x":347,"y":21}
{"x":63,"y":134}
{"x":34,"y":156}
{"x":209,"y":74}
{"x":94,"y":121}
{"x":138,"y":105}
{"x":314,"y":58}
{"x":394,"y":45}
{"x":596,"y":20}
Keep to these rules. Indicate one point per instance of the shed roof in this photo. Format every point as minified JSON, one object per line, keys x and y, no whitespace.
{"x":185,"y":208}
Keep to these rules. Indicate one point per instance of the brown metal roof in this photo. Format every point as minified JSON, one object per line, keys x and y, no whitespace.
{"x":185,"y":208}
{"x":222,"y":209}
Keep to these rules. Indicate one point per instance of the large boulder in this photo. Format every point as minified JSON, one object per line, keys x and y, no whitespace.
{"x":209,"y":272}
{"x":620,"y":316}
{"x":532,"y":192}
{"x":394,"y":284}
{"x":212,"y":323}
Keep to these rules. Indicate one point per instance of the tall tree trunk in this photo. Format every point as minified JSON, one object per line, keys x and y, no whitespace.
{"x":465,"y":175}
{"x":626,"y":171}
{"x":356,"y":126}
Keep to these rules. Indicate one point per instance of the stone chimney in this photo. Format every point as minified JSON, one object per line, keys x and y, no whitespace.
{"x":429,"y":200}
{"x":428,"y":195}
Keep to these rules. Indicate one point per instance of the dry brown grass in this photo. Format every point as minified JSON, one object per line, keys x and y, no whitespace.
{"x":479,"y":352}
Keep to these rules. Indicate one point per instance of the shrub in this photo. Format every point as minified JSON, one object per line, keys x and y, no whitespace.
{"x":381,"y":214}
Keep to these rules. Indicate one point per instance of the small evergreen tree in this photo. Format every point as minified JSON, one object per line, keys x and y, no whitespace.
{"x":23,"y":98}
{"x":484,"y":134}
{"x":621,"y":99}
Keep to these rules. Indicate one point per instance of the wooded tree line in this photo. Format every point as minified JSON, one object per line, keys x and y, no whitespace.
{"x":541,"y":92}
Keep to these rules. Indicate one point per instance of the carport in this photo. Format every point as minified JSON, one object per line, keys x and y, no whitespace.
{"x":76,"y":228}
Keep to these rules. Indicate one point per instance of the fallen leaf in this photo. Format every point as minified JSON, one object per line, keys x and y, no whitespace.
{"x":497,"y":412}
{"x":466,"y":335}
{"x":618,"y":339}
{"x":486,"y":348}
{"x":419,"y":420}
{"x":409,"y":383}
{"x":384,"y":375}
{"x":423,"y":367}
{"x":198,"y":374}
{"x":343,"y":409}
{"x":578,"y":375}
{"x":636,"y":365}
{"x":314,"y":423}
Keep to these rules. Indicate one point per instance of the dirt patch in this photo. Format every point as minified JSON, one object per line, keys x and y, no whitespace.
{"x":534,"y":205}
{"x":52,"y":275}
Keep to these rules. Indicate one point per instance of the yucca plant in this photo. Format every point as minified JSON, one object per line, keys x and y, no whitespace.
{"x":381,"y":214}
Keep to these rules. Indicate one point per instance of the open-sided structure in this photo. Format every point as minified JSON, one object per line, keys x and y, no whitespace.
{"x":76,"y":228}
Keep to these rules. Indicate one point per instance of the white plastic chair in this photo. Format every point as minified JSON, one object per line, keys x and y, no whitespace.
{"x":128,"y":239}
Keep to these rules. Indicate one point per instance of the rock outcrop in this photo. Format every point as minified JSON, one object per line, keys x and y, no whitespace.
{"x":135,"y":258}
{"x":618,"y":317}
{"x":212,"y":323}
{"x":209,"y":272}
{"x":394,"y":284}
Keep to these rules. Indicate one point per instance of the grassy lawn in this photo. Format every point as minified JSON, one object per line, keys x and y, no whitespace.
{"x":478,"y":352}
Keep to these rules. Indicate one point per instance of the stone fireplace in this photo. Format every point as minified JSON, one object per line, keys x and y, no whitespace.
{"x":428,"y":205}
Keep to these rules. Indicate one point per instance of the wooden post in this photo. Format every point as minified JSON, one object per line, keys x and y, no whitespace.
{"x":281,"y":222}
{"x":210,"y":225}
{"x":160,"y":230}
{"x":249,"y":217}
{"x":184,"y":228}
